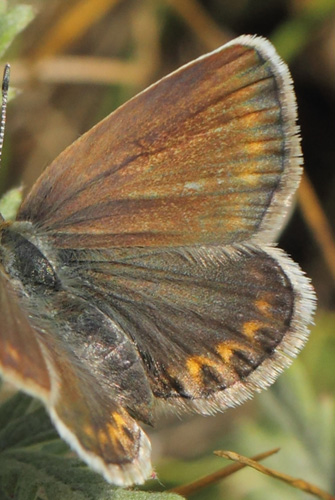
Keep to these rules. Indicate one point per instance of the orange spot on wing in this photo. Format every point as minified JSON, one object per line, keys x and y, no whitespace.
{"x":254,"y":148}
{"x":112,"y":436}
{"x":250,"y":328}
{"x":89,"y":431}
{"x":251,"y":119}
{"x":105,"y":437}
{"x":13,"y":353}
{"x":264,"y":307}
{"x":249,"y":176}
{"x":196,"y":363}
{"x":119,"y":420}
{"x":227,"y":349}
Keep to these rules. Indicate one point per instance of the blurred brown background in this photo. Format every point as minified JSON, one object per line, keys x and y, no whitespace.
{"x":79,"y":60}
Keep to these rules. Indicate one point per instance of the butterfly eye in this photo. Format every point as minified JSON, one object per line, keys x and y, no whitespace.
{"x":26,"y":263}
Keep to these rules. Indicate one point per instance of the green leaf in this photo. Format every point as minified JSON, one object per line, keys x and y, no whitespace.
{"x":294,"y":34}
{"x":12,"y":23}
{"x":36,"y":465}
{"x":27,"y":430}
{"x":143,"y":495}
{"x":10,"y":202}
{"x":13,"y":407}
{"x":25,"y":473}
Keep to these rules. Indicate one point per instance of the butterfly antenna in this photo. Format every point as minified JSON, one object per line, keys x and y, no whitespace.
{"x":5,"y":85}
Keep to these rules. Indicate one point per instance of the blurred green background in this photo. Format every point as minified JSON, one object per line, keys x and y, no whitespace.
{"x":77,"y":61}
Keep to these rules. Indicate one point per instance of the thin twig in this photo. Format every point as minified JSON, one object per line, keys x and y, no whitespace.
{"x":191,"y":488}
{"x":204,"y":27}
{"x":317,"y":221}
{"x":80,"y":69}
{"x":71,"y":26}
{"x":300,"y":484}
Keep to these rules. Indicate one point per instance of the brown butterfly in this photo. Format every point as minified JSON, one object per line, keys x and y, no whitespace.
{"x":141,"y":272}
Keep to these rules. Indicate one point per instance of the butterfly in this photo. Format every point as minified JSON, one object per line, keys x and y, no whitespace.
{"x":141,"y":271}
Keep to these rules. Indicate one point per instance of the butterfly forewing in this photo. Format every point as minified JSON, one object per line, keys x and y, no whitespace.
{"x":182,"y":162}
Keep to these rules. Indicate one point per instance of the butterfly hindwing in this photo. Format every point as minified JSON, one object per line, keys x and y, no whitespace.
{"x":90,"y":418}
{"x":210,"y":324}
